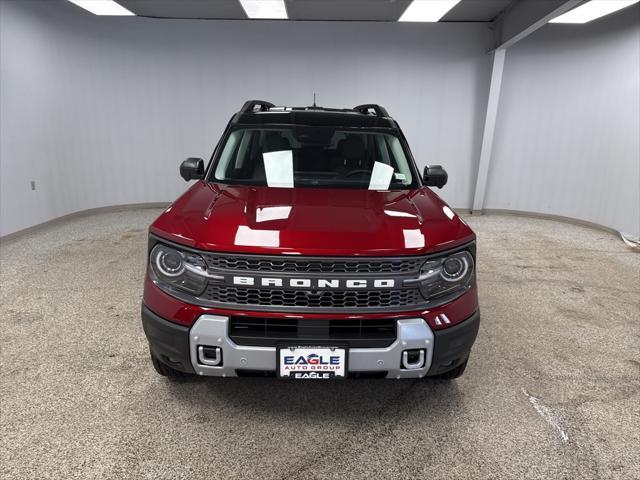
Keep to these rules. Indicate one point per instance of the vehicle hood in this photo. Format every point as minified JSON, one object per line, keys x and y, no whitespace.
{"x":311,"y":221}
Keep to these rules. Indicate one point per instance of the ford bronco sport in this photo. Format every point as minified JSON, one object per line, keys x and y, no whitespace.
{"x":310,"y":247}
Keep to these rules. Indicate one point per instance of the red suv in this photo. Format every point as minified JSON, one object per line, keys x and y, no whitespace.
{"x":311,"y":248}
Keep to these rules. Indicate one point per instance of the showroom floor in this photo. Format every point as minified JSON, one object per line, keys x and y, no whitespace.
{"x":552,"y":389}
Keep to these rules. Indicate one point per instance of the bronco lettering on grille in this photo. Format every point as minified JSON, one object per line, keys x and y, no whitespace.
{"x":315,"y":284}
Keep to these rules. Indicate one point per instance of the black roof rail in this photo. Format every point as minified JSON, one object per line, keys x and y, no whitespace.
{"x":380,"y":111}
{"x":249,"y":105}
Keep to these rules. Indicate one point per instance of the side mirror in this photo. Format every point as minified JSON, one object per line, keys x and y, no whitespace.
{"x":192,"y":169}
{"x":435,"y":176}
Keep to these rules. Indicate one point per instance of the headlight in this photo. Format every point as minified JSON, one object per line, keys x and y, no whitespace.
{"x":184,"y":270}
{"x":445,"y":276}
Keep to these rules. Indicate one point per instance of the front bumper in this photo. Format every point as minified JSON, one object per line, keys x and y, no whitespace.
{"x":177,"y":346}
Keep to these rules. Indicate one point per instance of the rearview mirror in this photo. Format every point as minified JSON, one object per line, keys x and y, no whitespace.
{"x":435,"y":176}
{"x":192,"y":169}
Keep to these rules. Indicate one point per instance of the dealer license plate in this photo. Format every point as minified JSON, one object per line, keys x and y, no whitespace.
{"x":317,"y":363}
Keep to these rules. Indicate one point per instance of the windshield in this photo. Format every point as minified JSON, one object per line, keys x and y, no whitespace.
{"x":320,"y":157}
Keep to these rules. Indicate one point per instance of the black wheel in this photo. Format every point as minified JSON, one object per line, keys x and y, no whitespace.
{"x":166,"y":371}
{"x":451,"y":374}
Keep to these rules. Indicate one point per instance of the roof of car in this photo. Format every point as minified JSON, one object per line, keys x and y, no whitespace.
{"x":259,"y":112}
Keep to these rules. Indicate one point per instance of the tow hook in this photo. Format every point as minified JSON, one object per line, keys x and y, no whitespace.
{"x":413,"y":359}
{"x":211,"y":356}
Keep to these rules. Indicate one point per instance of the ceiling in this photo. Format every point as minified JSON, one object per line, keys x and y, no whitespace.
{"x":340,"y":10}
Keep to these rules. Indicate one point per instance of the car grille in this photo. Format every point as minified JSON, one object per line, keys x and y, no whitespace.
{"x":270,"y":332}
{"x":279,"y":264}
{"x":361,"y":299}
{"x":312,"y":284}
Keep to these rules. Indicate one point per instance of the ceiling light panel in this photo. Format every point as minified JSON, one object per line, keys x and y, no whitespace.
{"x":427,"y":10}
{"x":102,"y":7}
{"x":265,"y":9}
{"x":592,"y":10}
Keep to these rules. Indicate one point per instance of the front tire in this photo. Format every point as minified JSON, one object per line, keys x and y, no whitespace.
{"x":166,"y":371}
{"x":452,"y":374}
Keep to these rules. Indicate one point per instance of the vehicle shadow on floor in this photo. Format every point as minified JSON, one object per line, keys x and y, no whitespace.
{"x":346,"y":399}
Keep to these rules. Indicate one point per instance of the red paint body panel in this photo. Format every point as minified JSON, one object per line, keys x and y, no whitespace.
{"x":311,"y":221}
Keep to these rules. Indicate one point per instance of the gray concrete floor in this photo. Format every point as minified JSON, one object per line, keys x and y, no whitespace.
{"x":551,"y":391}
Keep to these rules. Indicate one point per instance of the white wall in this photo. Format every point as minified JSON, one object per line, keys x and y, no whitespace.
{"x":567,"y":138}
{"x":100,"y":111}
